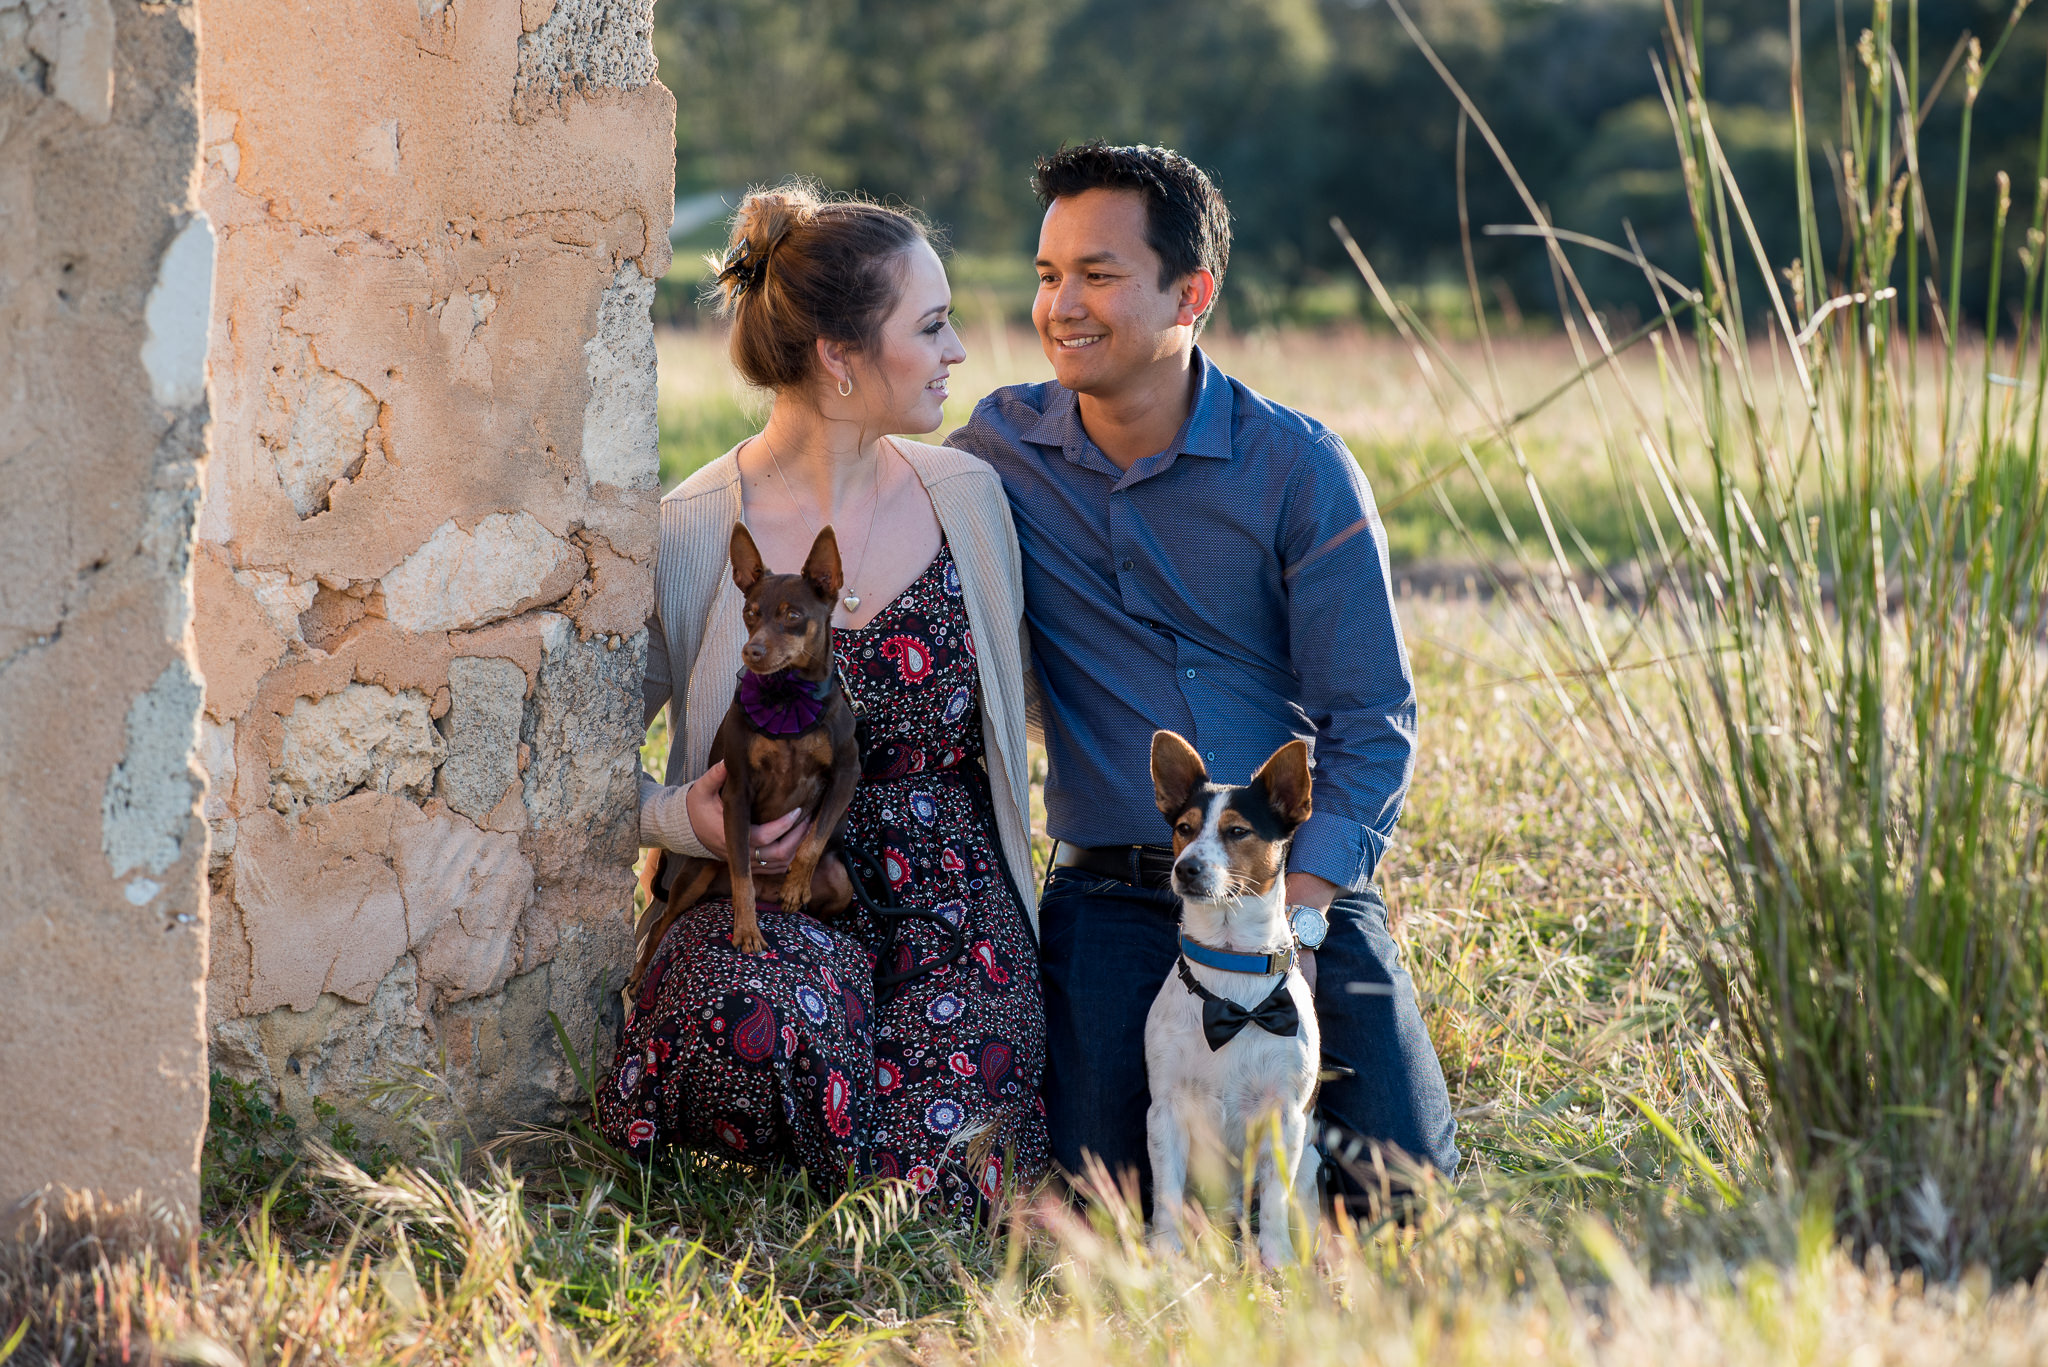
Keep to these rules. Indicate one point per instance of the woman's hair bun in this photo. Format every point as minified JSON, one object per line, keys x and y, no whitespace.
{"x":763,"y":220}
{"x":802,"y":263}
{"x":765,"y":217}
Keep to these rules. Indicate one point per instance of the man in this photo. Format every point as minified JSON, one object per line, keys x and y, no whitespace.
{"x":1201,"y":559}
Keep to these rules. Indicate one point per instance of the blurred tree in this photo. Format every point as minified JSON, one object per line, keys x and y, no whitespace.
{"x":1307,"y":108}
{"x":761,"y":89}
{"x":1233,"y":84}
{"x":929,"y":102}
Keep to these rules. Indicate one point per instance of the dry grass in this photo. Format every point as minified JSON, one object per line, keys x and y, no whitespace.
{"x":1615,"y":1208}
{"x":1566,"y":1017}
{"x":1360,"y":383}
{"x":1580,"y":1233}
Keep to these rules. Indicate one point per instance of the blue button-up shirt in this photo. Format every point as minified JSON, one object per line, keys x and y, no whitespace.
{"x":1233,"y":588}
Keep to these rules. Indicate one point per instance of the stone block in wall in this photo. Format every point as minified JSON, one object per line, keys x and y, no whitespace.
{"x":486,"y":712}
{"x":568,"y":47}
{"x":329,"y":904}
{"x":331,"y":421}
{"x":364,"y":736}
{"x":106,"y":268}
{"x":621,"y":432}
{"x":586,"y":698}
{"x":464,"y":578}
{"x":320,"y":907}
{"x":427,"y":537}
{"x":465,"y":891}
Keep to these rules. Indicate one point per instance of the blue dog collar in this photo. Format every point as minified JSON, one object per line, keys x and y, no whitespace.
{"x":1231,"y":962}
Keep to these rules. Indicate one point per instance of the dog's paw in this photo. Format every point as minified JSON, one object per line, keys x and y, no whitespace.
{"x":747,"y":939}
{"x":797,"y":883}
{"x":1276,"y":1249}
{"x":1164,"y":1240}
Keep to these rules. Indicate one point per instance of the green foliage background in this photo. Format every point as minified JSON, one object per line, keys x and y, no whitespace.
{"x":1301,"y":109}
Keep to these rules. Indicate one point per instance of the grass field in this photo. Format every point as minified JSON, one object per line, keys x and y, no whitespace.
{"x":1614,"y":1207}
{"x":1361,"y":384}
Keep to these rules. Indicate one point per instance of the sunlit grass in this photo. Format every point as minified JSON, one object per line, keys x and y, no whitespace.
{"x":1546,"y":980}
{"x":1359,"y":383}
{"x":1625,"y":1199}
{"x":1565,"y":1016}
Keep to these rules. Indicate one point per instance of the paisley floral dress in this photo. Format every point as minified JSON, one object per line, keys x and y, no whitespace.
{"x":786,"y":1056}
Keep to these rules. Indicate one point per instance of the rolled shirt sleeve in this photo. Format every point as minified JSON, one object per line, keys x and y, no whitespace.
{"x":1356,"y":685}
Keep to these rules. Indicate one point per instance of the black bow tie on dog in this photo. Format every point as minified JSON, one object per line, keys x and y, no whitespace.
{"x":1222,"y":1018}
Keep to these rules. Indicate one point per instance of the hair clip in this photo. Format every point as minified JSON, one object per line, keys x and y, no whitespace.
{"x":741,"y":271}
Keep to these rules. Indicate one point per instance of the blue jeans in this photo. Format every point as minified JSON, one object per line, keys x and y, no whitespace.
{"x":1107,"y":946}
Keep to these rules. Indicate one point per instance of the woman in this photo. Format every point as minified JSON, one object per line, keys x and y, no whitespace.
{"x":841,"y":308}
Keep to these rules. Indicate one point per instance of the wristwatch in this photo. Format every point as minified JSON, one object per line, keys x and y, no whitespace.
{"x":1309,"y":925}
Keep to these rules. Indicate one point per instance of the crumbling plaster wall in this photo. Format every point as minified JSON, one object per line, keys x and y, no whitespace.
{"x":426,"y":538}
{"x":104,"y":272}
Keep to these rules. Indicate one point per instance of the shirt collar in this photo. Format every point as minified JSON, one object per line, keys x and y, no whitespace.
{"x":1205,"y":432}
{"x":1059,"y":422}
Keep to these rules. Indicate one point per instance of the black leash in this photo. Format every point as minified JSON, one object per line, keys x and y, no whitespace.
{"x":861,"y":869}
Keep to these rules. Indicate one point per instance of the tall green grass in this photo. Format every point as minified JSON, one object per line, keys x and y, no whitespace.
{"x":1849,"y":818}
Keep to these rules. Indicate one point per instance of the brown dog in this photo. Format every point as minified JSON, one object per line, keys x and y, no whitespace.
{"x":787,"y":742}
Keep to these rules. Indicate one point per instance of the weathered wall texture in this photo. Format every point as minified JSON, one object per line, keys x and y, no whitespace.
{"x":104,"y":272}
{"x":426,"y":536}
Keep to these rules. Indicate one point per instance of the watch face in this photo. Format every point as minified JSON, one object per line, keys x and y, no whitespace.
{"x":1309,"y":926}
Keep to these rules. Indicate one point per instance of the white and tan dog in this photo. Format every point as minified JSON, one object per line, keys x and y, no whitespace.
{"x":1231,"y":1043}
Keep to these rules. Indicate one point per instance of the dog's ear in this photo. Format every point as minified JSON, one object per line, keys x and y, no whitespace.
{"x":1177,"y":771}
{"x":747,"y":568}
{"x":821,"y":567}
{"x":1285,"y":778}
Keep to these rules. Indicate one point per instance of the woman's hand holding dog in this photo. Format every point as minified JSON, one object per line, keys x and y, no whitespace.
{"x":774,"y":842}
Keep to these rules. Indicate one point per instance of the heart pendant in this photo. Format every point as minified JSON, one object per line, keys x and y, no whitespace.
{"x":851,"y":602}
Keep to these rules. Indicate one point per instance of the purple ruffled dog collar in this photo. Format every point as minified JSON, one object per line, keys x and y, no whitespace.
{"x":783,"y":703}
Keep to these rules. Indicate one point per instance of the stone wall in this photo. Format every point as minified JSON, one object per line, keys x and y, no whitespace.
{"x":104,"y":276}
{"x":425,"y":541}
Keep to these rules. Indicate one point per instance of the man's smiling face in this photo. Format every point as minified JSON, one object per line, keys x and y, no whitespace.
{"x":1101,"y":313}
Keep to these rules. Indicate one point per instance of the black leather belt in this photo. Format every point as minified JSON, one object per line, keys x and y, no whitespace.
{"x":1142,"y":866}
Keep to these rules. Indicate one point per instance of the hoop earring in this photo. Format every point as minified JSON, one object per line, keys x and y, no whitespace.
{"x":846,"y":387}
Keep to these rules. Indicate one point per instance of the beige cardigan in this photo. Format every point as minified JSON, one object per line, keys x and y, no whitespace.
{"x":695,"y":634}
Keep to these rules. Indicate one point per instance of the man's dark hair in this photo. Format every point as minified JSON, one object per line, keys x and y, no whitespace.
{"x":1186,"y":220}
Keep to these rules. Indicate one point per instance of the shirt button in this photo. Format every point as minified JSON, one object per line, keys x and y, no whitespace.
{"x":1191,"y":673}
{"x":1210,"y":756}
{"x":1130,"y":564}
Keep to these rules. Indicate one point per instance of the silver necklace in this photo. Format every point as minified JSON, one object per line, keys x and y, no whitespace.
{"x":849,"y":600}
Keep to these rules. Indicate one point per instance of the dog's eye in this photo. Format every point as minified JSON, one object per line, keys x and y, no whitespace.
{"x":1237,"y":832}
{"x":1184,"y":831}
